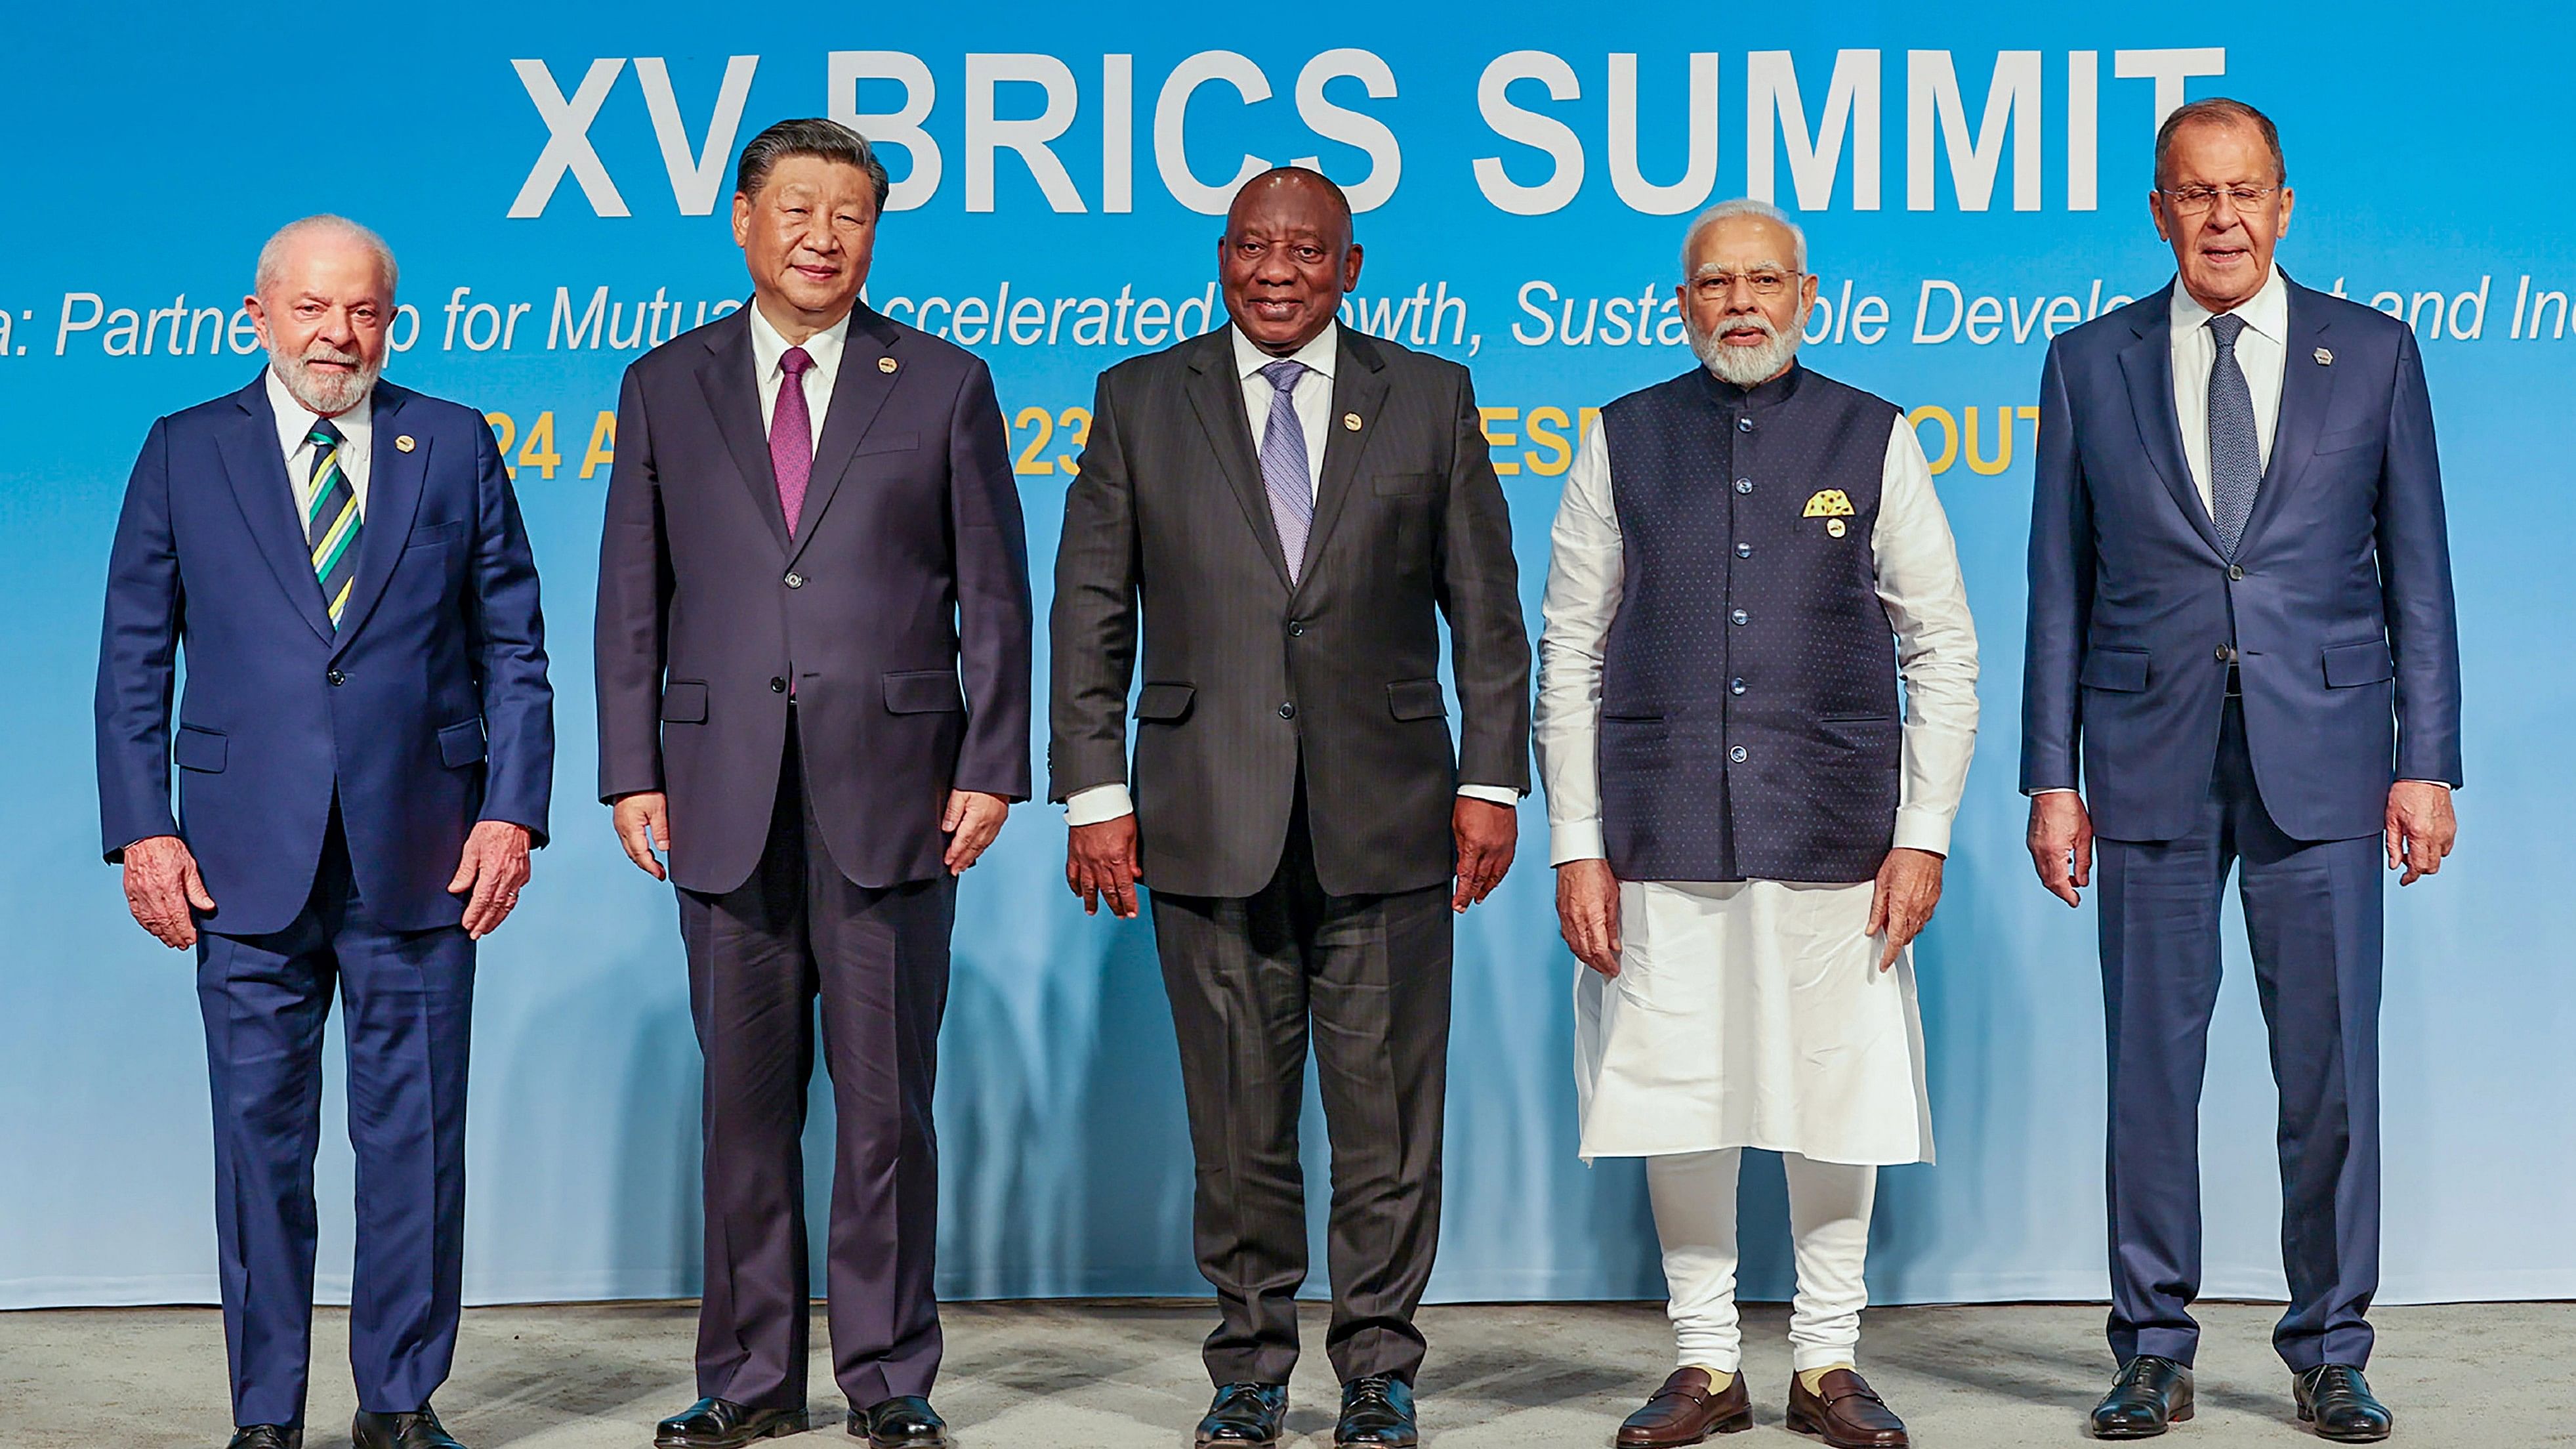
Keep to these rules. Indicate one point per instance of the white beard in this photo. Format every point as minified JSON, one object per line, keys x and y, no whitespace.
{"x":328,"y":394}
{"x":1748,"y":367}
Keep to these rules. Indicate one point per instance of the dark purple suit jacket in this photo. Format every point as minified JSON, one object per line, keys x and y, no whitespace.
{"x":909,"y":568}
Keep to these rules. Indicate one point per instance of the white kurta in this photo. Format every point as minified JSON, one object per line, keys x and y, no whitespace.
{"x":1753,"y":1013}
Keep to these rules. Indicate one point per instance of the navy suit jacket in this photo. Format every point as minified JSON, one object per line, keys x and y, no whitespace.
{"x":900,"y":606}
{"x":2338,"y":602}
{"x":425,"y":711}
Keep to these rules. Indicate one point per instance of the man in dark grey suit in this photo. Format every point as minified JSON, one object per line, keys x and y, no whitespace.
{"x":811,"y":527}
{"x":1288,"y":508}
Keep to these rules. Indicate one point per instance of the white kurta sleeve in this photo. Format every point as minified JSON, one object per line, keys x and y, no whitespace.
{"x":1936,"y":643}
{"x":1585,"y":574}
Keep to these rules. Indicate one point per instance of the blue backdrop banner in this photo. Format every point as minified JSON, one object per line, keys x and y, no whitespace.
{"x":1973,"y":180}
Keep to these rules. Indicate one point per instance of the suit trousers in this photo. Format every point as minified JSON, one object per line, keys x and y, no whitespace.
{"x":407,"y":999}
{"x":2313,"y":916}
{"x":759,"y":957}
{"x":1366,"y":979}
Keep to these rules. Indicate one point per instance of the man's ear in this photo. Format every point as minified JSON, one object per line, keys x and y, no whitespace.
{"x":741,"y":219}
{"x":1351,"y":269}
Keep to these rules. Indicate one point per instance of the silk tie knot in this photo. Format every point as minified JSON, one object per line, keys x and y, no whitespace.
{"x":795,"y":361}
{"x":1285,"y":374}
{"x":325,"y":434}
{"x":2226,"y":327}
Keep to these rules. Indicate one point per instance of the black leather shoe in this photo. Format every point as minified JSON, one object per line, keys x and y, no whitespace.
{"x":724,"y":1424}
{"x":268,"y":1436}
{"x":418,"y":1430}
{"x":1244,"y":1416}
{"x":1377,"y":1413}
{"x":2337,"y":1399}
{"x":2149,"y":1394}
{"x":904,"y":1422}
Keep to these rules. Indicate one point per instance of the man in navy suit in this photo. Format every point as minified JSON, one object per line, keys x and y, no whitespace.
{"x":365,"y":748}
{"x":2241,"y":628}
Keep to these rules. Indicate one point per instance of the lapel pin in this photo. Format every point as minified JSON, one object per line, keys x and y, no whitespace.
{"x":404,"y":444}
{"x":885,"y":364}
{"x":1351,"y":422}
{"x":2325,"y":357}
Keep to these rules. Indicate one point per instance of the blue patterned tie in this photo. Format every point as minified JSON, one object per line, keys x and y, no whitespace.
{"x":1283,"y":464}
{"x":2235,"y":457}
{"x":331,"y":523}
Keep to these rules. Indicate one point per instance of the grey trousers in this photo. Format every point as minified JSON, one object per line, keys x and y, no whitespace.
{"x":1366,"y":980}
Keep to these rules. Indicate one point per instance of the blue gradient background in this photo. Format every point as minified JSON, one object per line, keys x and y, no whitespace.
{"x":151,"y":149}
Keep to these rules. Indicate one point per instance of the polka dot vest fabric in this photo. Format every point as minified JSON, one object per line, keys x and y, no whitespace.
{"x":1749,"y":722}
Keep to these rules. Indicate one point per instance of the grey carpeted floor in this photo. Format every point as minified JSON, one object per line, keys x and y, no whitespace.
{"x":1073,"y":1375}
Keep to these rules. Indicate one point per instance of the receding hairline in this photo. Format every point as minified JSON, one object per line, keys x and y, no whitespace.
{"x":1751,"y":209}
{"x":1302,"y":177}
{"x":321,"y":227}
{"x":2221,"y":112}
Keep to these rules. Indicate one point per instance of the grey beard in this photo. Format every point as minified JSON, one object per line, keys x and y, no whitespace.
{"x":326,"y":395}
{"x":1747,"y":366}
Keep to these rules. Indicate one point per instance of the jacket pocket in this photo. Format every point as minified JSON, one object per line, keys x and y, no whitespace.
{"x":887,"y":443}
{"x":2364,"y":661}
{"x":684,"y":701}
{"x":1165,"y":703}
{"x":2350,"y":438}
{"x":461,"y":744}
{"x":923,"y":691}
{"x":199,"y":749}
{"x":1404,"y":485}
{"x":435,"y":535}
{"x":1416,"y":699}
{"x":2113,"y":668}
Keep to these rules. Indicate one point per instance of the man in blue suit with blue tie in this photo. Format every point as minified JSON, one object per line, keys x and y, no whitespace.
{"x":365,"y":748}
{"x":2241,"y":631}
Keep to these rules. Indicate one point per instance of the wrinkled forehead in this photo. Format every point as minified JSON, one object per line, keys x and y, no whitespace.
{"x":334,"y":268}
{"x":1740,"y":243}
{"x":2219,"y":152}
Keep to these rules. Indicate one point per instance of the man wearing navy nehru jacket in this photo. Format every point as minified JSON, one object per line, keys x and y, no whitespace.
{"x":365,"y":748}
{"x":2241,"y":636}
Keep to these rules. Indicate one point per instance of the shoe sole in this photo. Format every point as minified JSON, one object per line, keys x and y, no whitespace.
{"x":795,"y":1424}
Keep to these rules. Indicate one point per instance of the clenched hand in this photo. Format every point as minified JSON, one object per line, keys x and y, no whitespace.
{"x":494,"y":866}
{"x":161,"y":887}
{"x":1902,"y":898}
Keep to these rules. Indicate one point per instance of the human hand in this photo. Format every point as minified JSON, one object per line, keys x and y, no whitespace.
{"x":971,"y":821}
{"x":1587,"y":913}
{"x":2421,"y":828}
{"x":493,"y":867}
{"x":1901,"y":900}
{"x":164,"y":891}
{"x":1486,"y":834}
{"x":1104,"y":861}
{"x":643,"y":821}
{"x":2061,"y":843}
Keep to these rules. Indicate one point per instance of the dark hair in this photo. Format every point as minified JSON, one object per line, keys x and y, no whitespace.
{"x":2219,"y":110}
{"x":824,"y":140}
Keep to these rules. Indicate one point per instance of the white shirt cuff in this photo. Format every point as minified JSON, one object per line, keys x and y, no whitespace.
{"x":1920,"y":828}
{"x":2051,"y":790}
{"x":1575,"y":840}
{"x":1491,"y":794}
{"x":1096,"y":804}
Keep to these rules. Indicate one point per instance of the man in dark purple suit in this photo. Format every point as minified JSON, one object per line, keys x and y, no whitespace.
{"x":813,"y":654}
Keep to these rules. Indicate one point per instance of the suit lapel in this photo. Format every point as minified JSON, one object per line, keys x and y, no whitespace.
{"x":1359,"y":389}
{"x":858,"y":395}
{"x":2306,"y":385}
{"x":256,"y":469}
{"x":394,"y":481}
{"x":1216,"y":395}
{"x":2147,"y":362}
{"x":731,"y":389}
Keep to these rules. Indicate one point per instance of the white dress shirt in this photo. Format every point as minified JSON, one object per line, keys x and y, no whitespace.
{"x":1312,"y":398}
{"x":767,"y":347}
{"x":295,"y":420}
{"x":1918,"y":583}
{"x":2262,"y":351}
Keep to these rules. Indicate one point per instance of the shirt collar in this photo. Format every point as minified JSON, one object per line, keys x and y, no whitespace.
{"x":2266,"y":312}
{"x":1318,"y":354}
{"x":767,"y":345}
{"x":295,"y":420}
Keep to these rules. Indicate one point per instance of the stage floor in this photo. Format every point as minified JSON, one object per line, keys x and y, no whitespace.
{"x":1075,"y":1375}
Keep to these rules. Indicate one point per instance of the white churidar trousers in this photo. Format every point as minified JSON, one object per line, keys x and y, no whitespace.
{"x":1829,"y":1205}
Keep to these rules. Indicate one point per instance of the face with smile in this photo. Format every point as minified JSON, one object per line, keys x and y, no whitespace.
{"x":807,"y":235}
{"x":322,"y":316}
{"x":1286,"y":259}
{"x":2223,"y":253}
{"x":1743,"y":299}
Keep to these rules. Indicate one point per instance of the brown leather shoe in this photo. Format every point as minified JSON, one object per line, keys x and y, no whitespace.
{"x":1846,"y":1414}
{"x":1686,"y":1410}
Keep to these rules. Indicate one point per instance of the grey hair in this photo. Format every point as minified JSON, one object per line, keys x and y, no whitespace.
{"x":1744,"y":206}
{"x":272,"y":256}
{"x":816,"y":137}
{"x":2221,"y":111}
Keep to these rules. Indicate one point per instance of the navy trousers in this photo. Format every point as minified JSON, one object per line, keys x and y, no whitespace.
{"x":406,"y":1001}
{"x":2313,"y":916}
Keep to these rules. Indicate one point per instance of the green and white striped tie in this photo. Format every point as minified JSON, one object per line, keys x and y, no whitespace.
{"x":331,"y":523}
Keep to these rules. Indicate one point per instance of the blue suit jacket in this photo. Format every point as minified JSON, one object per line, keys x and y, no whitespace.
{"x":2338,"y":603}
{"x":427,"y":709}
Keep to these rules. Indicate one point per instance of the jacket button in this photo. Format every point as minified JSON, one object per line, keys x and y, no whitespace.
{"x":1738,"y":754}
{"x":1287,"y":711}
{"x":336,"y":678}
{"x":795,"y":581}
{"x":1741,"y":617}
{"x":2226,"y":654}
{"x":1743,"y":485}
{"x":778,"y":686}
{"x":1744,"y":550}
{"x":1735,"y":687}
{"x":1744,"y":425}
{"x":2236,"y":573}
{"x":1296,"y":628}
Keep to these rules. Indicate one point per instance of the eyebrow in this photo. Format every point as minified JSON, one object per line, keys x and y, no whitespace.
{"x":1707,"y":269}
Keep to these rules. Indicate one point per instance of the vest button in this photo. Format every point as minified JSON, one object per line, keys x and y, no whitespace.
{"x":1744,"y":425}
{"x":2236,"y":573}
{"x":1735,"y":686}
{"x":1741,"y":617}
{"x":1737,"y":754}
{"x":1743,"y":485}
{"x":1287,"y":711}
{"x":1744,"y":550}
{"x":337,"y":678}
{"x":795,"y":581}
{"x":778,"y":686}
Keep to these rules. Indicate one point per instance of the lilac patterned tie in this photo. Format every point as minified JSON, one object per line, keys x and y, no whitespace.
{"x":791,"y":437}
{"x":1283,"y":464}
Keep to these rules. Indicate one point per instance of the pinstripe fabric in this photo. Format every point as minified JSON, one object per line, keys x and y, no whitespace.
{"x":331,"y":526}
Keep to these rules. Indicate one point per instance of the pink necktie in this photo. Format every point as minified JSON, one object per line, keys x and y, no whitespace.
{"x":791,"y":437}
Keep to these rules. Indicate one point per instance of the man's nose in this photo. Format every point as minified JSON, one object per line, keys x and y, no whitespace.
{"x":337,"y":330}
